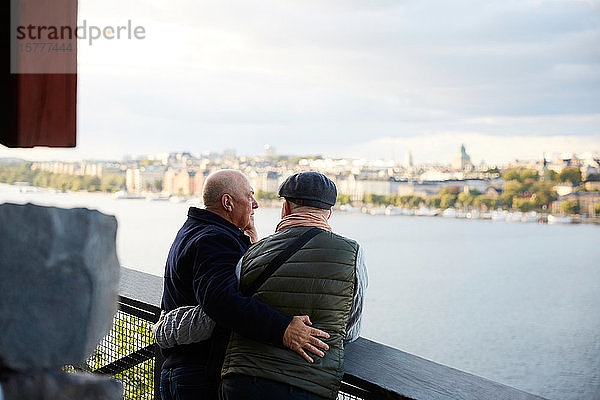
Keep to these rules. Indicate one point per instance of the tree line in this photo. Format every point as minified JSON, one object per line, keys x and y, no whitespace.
{"x":524,"y":189}
{"x":11,"y":173}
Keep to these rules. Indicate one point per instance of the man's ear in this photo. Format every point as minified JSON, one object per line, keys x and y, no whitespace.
{"x":287,"y":209}
{"x":227,"y":202}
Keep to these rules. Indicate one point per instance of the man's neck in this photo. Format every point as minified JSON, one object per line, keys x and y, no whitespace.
{"x":220,"y":213}
{"x":306,"y":218}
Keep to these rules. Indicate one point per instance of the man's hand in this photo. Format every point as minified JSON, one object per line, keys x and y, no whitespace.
{"x":299,"y":336}
{"x":160,"y":319}
{"x":250,"y":230}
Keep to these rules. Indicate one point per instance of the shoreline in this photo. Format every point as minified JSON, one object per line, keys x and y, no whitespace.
{"x":389,"y":211}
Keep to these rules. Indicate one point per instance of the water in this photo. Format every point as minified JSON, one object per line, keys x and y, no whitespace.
{"x":515,"y":303}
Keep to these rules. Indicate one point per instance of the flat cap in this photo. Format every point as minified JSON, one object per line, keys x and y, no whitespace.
{"x":309,"y":189}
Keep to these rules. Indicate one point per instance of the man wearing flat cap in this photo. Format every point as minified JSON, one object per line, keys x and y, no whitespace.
{"x":302,"y":269}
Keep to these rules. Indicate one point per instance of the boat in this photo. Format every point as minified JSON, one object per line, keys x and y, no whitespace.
{"x":121,"y":195}
{"x":473,"y":214}
{"x":426,"y":212}
{"x":195,"y":201}
{"x":349,"y":209}
{"x":499,"y":215}
{"x":553,"y":219}
{"x":177,"y":199}
{"x":377,"y":211}
{"x":514,"y":216}
{"x":449,"y":213}
{"x":157,"y":198}
{"x":25,"y":187}
{"x":531,"y":216}
{"x":392,"y":210}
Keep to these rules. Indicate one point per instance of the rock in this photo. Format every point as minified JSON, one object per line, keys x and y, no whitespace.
{"x":58,"y":385}
{"x":58,"y":288}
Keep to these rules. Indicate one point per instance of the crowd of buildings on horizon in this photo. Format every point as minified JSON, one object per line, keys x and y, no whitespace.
{"x":182,"y":174}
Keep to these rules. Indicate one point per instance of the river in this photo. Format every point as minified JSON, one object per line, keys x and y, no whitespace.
{"x":516,"y":303}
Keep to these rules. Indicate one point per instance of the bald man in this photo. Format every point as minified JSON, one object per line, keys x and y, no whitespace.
{"x":200,"y":270}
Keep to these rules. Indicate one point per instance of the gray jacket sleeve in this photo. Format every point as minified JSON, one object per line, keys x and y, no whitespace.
{"x":186,"y":325}
{"x":183,"y":325}
{"x":362,"y":281}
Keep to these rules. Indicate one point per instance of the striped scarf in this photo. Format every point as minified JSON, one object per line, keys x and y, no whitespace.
{"x":304,"y":216}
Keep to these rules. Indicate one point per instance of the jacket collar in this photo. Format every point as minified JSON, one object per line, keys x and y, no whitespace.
{"x":212,"y":218}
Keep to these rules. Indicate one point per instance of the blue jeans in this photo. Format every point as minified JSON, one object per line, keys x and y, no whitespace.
{"x":187,"y":383}
{"x":244,"y":387}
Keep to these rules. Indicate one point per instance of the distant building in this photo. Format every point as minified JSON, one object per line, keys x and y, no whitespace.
{"x":568,"y":160}
{"x":345,"y":183}
{"x":428,"y":188}
{"x":493,"y":192}
{"x":111,"y":167}
{"x":590,"y":169}
{"x":88,"y":168}
{"x":229,"y":154}
{"x":181,"y":181}
{"x":359,"y":185}
{"x":58,"y":167}
{"x":587,"y":202}
{"x":143,"y":178}
{"x":592,"y":186}
{"x":563,"y":189}
{"x":269,"y":151}
{"x":365,"y":184}
{"x":180,"y":159}
{"x":462,"y":161}
{"x":271,"y":183}
{"x":408,"y":160}
{"x":91,"y":169}
{"x":436,"y":175}
{"x":497,"y":183}
{"x":265,"y":181}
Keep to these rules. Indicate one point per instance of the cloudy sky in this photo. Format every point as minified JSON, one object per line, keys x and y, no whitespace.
{"x":368,"y":79}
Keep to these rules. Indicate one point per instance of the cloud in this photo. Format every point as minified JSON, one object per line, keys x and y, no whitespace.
{"x":308,"y":75}
{"x":440,"y":148}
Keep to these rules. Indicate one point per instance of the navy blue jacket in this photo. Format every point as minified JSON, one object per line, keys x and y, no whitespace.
{"x":200,"y":269}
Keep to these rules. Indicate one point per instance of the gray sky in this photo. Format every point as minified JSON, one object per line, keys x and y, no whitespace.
{"x":372,"y":79}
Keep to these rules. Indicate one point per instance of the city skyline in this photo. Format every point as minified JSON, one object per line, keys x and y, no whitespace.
{"x":394,"y":153}
{"x":509,"y":79}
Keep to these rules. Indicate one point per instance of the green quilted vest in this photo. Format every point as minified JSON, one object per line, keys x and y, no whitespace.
{"x":317,"y":281}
